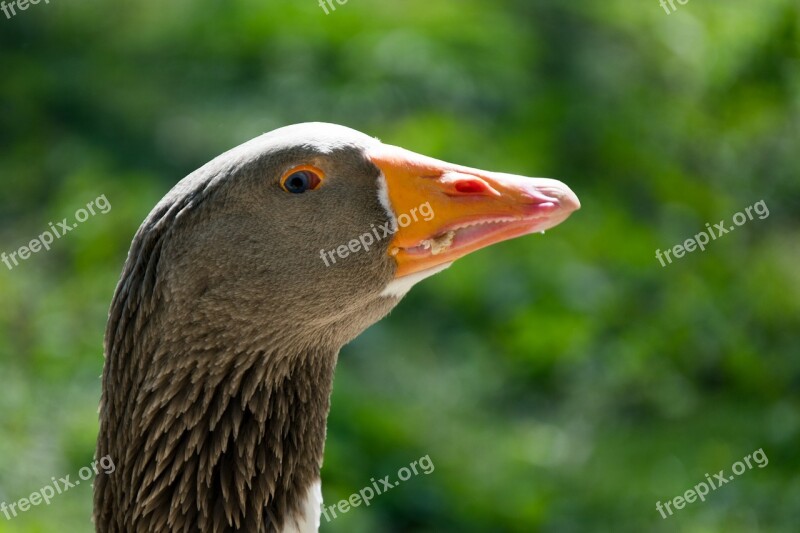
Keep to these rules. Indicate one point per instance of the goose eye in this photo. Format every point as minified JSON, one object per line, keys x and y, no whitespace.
{"x":300,"y":180}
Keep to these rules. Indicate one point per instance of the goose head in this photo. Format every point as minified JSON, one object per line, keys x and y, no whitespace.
{"x":239,"y":290}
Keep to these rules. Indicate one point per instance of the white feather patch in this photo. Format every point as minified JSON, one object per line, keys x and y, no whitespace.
{"x":397,"y":288}
{"x":308,"y":519}
{"x":383,"y":198}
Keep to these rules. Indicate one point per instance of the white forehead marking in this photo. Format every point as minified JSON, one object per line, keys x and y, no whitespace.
{"x":397,"y":288}
{"x":383,"y":198}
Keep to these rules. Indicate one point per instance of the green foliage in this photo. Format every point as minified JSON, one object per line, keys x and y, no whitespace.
{"x":558,"y":383}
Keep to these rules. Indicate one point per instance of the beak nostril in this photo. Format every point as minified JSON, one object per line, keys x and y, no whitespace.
{"x":471,"y":186}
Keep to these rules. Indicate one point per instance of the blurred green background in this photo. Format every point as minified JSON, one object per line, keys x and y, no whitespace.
{"x":562,"y":383}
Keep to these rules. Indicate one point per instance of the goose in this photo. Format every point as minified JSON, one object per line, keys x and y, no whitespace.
{"x":238,"y":291}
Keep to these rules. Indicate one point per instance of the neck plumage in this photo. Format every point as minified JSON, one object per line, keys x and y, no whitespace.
{"x":205,"y":439}
{"x":214,"y":421}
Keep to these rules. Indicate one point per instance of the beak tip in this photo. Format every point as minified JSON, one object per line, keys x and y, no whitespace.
{"x":573,"y":203}
{"x":568,"y":199}
{"x":552,"y":190}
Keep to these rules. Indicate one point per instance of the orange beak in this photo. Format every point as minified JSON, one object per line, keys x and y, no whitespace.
{"x":446,"y":211}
